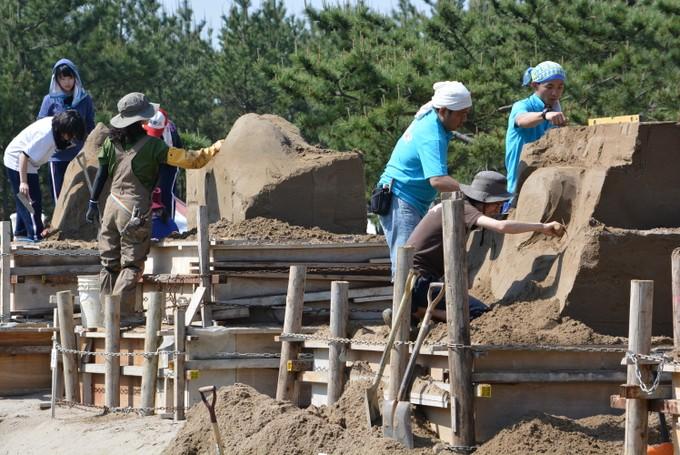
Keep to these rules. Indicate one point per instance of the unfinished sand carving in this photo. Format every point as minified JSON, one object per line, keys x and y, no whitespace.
{"x":616,"y":188}
{"x":69,"y":213}
{"x":265,"y":168}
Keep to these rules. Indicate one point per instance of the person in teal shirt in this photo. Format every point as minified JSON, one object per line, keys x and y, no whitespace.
{"x":531,"y":117}
{"x":417,"y":168}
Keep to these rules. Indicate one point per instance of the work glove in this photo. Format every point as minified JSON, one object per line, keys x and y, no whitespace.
{"x":92,"y":215}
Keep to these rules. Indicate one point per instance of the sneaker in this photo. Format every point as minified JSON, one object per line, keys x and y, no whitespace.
{"x":387,"y":316}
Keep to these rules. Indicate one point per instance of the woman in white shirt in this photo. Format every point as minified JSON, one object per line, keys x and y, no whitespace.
{"x":29,"y":150}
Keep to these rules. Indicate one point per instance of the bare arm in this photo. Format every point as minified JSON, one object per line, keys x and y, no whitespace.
{"x":444,"y":183}
{"x":531,"y":119}
{"x":518,"y":227}
{"x":23,"y":175}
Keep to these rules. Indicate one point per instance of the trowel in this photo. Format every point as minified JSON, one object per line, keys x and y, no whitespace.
{"x":26,"y":202}
{"x":371,"y":394}
{"x":398,"y":416}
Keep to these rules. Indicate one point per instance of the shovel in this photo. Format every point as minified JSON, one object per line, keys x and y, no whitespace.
{"x":219,"y":446}
{"x":371,"y":395}
{"x":398,"y":425}
{"x":26,"y":202}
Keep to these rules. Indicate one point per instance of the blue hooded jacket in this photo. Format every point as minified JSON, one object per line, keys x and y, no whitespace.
{"x":57,"y":101}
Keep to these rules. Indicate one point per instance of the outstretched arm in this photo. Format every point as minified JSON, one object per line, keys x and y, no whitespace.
{"x":518,"y":227}
{"x":192,"y":159}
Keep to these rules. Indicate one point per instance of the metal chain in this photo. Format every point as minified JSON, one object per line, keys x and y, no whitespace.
{"x":60,"y":348}
{"x":662,"y":359}
{"x":53,"y":252}
{"x":116,"y":410}
{"x":507,"y":347}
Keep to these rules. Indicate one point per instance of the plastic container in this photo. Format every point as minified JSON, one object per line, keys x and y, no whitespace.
{"x":91,"y":309}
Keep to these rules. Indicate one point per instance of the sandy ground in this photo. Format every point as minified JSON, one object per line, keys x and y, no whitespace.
{"x":26,"y":430}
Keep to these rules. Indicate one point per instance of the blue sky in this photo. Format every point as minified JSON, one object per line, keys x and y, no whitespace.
{"x":212,"y":10}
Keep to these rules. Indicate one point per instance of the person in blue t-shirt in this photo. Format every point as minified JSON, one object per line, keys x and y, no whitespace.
{"x":531,"y":117}
{"x":417,"y":169}
{"x":66,"y":92}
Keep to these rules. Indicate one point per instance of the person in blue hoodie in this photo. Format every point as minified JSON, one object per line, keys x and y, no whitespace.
{"x":66,"y":92}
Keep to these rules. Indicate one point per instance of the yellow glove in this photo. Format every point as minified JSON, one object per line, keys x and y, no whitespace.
{"x":192,"y":159}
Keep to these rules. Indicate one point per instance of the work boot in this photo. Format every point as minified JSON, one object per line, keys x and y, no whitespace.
{"x":387,"y":317}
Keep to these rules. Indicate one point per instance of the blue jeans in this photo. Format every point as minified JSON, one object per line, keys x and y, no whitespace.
{"x":27,"y":225}
{"x":398,"y":225}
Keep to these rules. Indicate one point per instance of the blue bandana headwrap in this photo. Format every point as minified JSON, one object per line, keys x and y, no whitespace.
{"x":544,"y":72}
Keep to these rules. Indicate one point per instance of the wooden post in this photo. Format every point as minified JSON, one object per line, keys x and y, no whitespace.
{"x":5,"y":285}
{"x":154,"y":316}
{"x":336,"y":351}
{"x":292,"y":323}
{"x":54,"y":361}
{"x":68,"y":341}
{"x":112,"y":344}
{"x":204,"y":263}
{"x":675,"y":275}
{"x":180,"y":375}
{"x":399,"y":353}
{"x":639,"y":342}
{"x":458,"y":321}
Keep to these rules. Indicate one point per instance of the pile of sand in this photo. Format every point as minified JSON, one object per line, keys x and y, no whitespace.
{"x":542,"y":433}
{"x":253,"y":423}
{"x":265,"y":168}
{"x":269,"y":230}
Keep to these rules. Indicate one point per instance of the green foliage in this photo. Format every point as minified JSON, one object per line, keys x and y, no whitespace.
{"x":351,"y":78}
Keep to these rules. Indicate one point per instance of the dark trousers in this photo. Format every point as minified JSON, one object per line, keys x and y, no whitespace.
{"x":167,"y":175}
{"x":57,"y":172}
{"x":27,"y":225}
{"x":419,"y":298}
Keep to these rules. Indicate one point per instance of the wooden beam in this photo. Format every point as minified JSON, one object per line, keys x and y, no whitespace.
{"x":112,"y":344}
{"x":196,"y":299}
{"x":56,"y":270}
{"x":319,"y":296}
{"x":221,"y":314}
{"x":68,"y":341}
{"x":639,"y":342}
{"x":232,"y":364}
{"x":5,"y":274}
{"x":336,"y":351}
{"x":286,"y":385}
{"x":204,"y":263}
{"x":666,"y":406}
{"x":517,"y":377}
{"x":458,"y":321}
{"x":154,"y":318}
{"x":180,"y":376}
{"x":633,"y":391}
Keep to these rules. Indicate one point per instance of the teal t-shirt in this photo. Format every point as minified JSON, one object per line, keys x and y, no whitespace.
{"x":420,"y":154}
{"x":516,"y":137}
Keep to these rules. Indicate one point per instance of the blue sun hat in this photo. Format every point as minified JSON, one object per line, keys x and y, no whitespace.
{"x":544,"y":72}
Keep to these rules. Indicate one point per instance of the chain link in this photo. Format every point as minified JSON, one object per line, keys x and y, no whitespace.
{"x":54,"y":252}
{"x":660,"y":358}
{"x":60,"y":348}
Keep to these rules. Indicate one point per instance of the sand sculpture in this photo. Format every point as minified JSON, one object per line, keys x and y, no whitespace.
{"x":69,"y":212}
{"x":266,"y":168}
{"x":616,"y":188}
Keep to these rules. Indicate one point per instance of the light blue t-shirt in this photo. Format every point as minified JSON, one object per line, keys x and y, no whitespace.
{"x":516,"y":137}
{"x":420,"y":154}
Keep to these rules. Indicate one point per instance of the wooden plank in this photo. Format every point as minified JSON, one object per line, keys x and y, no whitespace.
{"x":68,"y":341}
{"x":232,"y":364}
{"x":154,"y":317}
{"x":516,"y":377}
{"x":634,"y":391}
{"x":310,"y":276}
{"x":204,"y":263}
{"x":5,"y":274}
{"x":20,"y":350}
{"x":320,"y":296}
{"x":221,"y":314}
{"x":125,"y":370}
{"x":613,"y":120}
{"x":667,"y":406}
{"x":180,"y":375}
{"x":639,"y":342}
{"x":56,"y":270}
{"x":196,"y":299}
{"x":285,"y":264}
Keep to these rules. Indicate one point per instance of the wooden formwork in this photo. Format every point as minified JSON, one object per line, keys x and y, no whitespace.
{"x":570,"y":381}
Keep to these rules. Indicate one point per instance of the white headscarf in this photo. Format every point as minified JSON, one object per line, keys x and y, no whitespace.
{"x":449,"y":94}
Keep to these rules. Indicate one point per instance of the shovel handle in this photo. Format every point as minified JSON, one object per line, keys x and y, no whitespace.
{"x":210,"y":405}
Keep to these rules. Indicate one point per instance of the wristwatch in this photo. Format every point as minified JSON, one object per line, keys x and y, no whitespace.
{"x":544,"y":112}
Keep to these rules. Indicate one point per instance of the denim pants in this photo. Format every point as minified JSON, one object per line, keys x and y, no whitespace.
{"x":27,"y":225}
{"x":398,"y":224}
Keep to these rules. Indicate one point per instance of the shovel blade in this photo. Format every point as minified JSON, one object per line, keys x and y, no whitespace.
{"x":402,"y":430}
{"x":372,"y":407}
{"x":388,"y":410}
